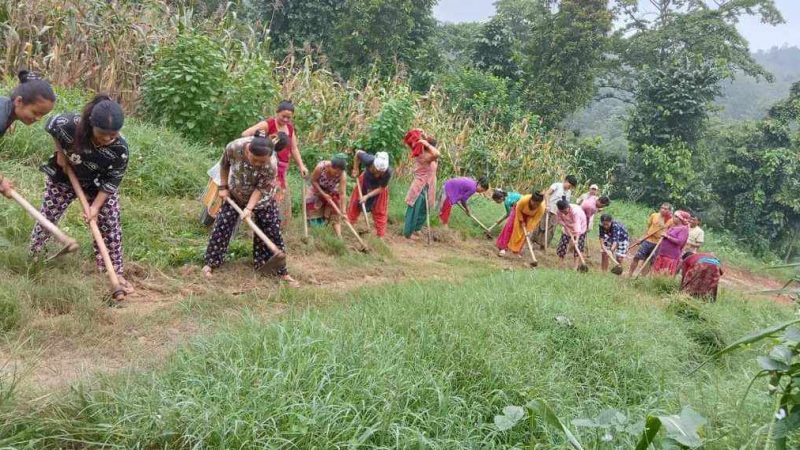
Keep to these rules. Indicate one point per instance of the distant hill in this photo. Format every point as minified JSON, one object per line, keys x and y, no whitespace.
{"x":742,"y":99}
{"x":745,"y":98}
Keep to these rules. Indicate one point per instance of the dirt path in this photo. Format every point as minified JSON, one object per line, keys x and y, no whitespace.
{"x":170,"y":307}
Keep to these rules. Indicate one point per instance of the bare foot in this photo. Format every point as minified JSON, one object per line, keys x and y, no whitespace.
{"x":207,"y":271}
{"x":290,"y":281}
{"x":125,"y":285}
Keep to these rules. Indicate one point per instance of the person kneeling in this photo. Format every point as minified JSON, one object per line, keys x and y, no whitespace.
{"x":247,"y":170}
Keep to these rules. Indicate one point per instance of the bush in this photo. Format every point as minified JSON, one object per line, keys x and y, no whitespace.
{"x":386,"y":131}
{"x":481,"y":96}
{"x":207,"y":93}
{"x":250,"y":86}
{"x":182,"y":89}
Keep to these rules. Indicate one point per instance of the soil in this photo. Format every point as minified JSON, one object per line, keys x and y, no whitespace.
{"x":154,"y":321}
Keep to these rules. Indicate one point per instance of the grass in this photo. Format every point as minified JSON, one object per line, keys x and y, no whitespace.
{"x":423,"y":364}
{"x":415,"y":365}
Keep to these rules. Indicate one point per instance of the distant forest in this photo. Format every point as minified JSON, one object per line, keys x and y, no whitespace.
{"x":745,"y":98}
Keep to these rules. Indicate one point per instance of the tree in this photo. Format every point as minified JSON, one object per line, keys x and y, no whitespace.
{"x":671,"y":68}
{"x":563,"y":56}
{"x":301,"y":23}
{"x":455,"y":42}
{"x":758,"y":171}
{"x":384,"y":34}
{"x":494,"y":49}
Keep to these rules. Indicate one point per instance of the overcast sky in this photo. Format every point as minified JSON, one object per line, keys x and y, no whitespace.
{"x":761,"y":36}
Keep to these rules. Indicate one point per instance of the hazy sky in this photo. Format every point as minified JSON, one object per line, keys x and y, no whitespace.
{"x":760,"y":36}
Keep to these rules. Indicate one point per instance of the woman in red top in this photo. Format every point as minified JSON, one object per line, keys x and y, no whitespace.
{"x":282,"y":121}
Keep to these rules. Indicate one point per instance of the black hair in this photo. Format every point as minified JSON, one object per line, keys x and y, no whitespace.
{"x":285,"y":105}
{"x":499,"y":194}
{"x":571,"y":180}
{"x":261,"y":146}
{"x":32,"y":88}
{"x":604,"y":200}
{"x":339,"y":163}
{"x":537,"y":196}
{"x":483,"y":182}
{"x":281,"y":141}
{"x":101,"y":112}
{"x":562,"y":204}
{"x":431,"y":140}
{"x":606,"y":218}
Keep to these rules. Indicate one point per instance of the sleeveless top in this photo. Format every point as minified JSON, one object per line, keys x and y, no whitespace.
{"x":272,"y":128}
{"x":328,"y":183}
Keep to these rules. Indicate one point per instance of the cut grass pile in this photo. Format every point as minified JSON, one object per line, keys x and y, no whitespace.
{"x":423,"y":366}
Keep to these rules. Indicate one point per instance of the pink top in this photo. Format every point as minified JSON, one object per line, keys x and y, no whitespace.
{"x":573,"y":219}
{"x":670,"y":249}
{"x":589,"y":207}
{"x":424,"y":174}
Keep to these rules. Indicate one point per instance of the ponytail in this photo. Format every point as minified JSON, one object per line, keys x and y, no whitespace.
{"x":31,"y":88}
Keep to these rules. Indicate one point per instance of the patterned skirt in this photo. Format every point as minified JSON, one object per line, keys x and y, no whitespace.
{"x":701,"y":280}
{"x":665,"y":266}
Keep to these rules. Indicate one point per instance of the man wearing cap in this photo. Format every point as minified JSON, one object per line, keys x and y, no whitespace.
{"x":374,"y":183}
{"x":594,"y":191}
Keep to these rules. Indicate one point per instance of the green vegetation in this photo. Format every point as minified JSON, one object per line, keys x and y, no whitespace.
{"x":417,"y":364}
{"x":407,"y":346}
{"x":494,"y":94}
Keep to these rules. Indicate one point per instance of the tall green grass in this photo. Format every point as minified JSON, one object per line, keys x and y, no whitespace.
{"x":421,"y":366}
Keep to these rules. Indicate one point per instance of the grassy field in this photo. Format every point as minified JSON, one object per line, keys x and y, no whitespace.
{"x":406,"y":346}
{"x":424,"y":365}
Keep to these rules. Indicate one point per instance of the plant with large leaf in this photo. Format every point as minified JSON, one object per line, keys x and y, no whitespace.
{"x":679,"y":431}
{"x":782,"y":367}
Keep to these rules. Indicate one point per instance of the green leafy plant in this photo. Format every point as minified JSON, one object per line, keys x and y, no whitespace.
{"x":679,"y":431}
{"x":183,"y":87}
{"x":387,"y":129}
{"x":251,"y":88}
{"x":781,"y":366}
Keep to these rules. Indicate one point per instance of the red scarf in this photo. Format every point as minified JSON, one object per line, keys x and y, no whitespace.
{"x":412,"y":141}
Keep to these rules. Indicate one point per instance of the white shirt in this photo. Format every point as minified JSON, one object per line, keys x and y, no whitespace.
{"x":558,"y":192}
{"x":696,"y":237}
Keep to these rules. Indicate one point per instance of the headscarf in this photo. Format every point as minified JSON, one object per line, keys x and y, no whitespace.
{"x":381,"y":161}
{"x":412,"y":139}
{"x":683,"y":216}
